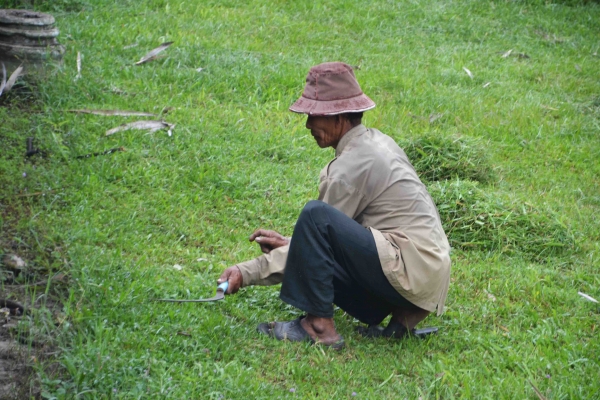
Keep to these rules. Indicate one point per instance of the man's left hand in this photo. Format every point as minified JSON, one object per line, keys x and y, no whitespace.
{"x":268,"y":240}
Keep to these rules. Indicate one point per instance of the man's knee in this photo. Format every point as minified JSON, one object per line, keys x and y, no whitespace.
{"x":310,"y":208}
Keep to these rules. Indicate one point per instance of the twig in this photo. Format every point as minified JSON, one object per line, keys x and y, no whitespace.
{"x":102,"y":153}
{"x":537,"y":391}
{"x":36,"y":193}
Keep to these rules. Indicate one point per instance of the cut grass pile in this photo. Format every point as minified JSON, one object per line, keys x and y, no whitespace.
{"x":437,"y":157}
{"x":117,"y":224}
{"x":479,"y":219}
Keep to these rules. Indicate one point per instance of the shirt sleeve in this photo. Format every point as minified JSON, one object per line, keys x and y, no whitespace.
{"x":265,"y":270}
{"x":343,"y":196}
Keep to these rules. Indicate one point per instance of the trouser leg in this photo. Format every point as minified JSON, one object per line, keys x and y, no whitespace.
{"x":333,"y":259}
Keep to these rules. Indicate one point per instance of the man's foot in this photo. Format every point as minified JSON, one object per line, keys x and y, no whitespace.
{"x":321,"y":330}
{"x":407,"y":317}
{"x":294,"y":331}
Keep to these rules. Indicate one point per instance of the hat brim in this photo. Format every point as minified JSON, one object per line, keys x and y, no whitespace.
{"x":332,"y":107}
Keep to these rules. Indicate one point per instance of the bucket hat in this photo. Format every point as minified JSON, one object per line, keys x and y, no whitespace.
{"x":331,"y":89}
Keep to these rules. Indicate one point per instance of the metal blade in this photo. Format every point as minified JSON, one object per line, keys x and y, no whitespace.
{"x":219,"y":296}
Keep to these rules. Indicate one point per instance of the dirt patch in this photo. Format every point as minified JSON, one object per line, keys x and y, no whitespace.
{"x":26,"y":340}
{"x":14,"y":370}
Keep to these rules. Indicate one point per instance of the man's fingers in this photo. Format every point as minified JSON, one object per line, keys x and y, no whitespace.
{"x":257,"y":233}
{"x":264,"y":233}
{"x":234,"y":276}
{"x":267,"y":241}
{"x":224,"y":276}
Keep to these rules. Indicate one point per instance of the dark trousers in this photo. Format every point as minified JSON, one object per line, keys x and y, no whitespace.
{"x":333,"y":260}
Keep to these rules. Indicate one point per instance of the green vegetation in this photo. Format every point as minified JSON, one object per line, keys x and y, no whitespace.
{"x":525,"y":125}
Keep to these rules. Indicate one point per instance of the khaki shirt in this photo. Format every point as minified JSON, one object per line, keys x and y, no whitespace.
{"x":371,"y":181}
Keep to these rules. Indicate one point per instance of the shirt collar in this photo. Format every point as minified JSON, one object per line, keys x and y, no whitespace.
{"x":351,"y":134}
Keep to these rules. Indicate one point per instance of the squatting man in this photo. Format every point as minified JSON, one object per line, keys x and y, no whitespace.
{"x":372,"y":244}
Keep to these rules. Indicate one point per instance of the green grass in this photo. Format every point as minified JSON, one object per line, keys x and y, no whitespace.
{"x":238,"y":160}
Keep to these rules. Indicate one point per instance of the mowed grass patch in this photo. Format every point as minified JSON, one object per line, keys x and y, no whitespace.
{"x":238,"y":160}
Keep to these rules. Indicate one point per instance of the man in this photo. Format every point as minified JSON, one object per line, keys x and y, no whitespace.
{"x":373,"y":243}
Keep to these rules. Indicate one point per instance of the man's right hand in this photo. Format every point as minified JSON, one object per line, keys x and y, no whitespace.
{"x":233,"y":275}
{"x":268,"y":240}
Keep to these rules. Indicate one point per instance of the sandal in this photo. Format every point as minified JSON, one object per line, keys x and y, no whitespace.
{"x":293,"y":331}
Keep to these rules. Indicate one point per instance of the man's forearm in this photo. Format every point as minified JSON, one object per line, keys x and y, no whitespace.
{"x":265,"y":270}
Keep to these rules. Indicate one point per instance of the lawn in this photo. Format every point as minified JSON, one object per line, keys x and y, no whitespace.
{"x":497,"y":103}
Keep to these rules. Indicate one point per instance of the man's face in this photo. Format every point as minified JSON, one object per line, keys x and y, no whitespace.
{"x":325,"y":129}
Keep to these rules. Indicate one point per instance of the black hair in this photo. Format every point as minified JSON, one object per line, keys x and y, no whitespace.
{"x":355,"y":118}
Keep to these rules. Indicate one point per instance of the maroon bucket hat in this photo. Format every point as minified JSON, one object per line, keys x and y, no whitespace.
{"x":331,"y":89}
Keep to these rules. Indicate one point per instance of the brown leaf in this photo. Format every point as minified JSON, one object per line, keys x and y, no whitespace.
{"x":152,"y":54}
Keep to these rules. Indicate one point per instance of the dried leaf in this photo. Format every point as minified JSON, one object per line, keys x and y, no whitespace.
{"x":549,"y":108}
{"x":13,"y":262}
{"x":13,"y":78}
{"x":490,"y":296}
{"x":120,"y":113}
{"x":508,"y":53}
{"x":151,"y":55}
{"x":3,"y":82}
{"x":199,"y":69}
{"x":131,"y":46}
{"x":151,"y":126}
{"x":577,"y":67}
{"x":78,"y":66}
{"x":434,"y":117}
{"x":487,"y":84}
{"x":587,"y":297}
{"x":468,"y":72}
{"x":178,"y":267}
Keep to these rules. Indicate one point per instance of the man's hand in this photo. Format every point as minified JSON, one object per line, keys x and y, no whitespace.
{"x":268,"y":240}
{"x":234,"y":276}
